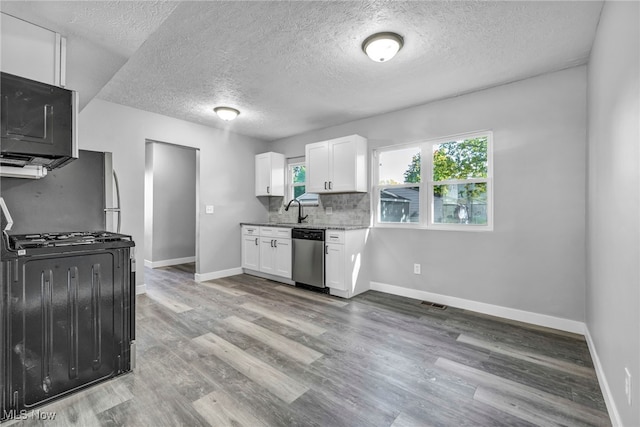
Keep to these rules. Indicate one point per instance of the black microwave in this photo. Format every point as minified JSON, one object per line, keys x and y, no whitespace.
{"x":39,"y":123}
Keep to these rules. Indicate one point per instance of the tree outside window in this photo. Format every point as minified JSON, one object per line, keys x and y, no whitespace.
{"x":297,"y":184}
{"x":460,"y":172}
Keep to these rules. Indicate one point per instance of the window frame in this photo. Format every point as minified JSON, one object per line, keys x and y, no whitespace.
{"x":378,"y":187}
{"x":291,"y":185}
{"x":427,"y":184}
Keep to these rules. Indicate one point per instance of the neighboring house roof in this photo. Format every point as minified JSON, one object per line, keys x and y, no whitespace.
{"x":410,"y":195}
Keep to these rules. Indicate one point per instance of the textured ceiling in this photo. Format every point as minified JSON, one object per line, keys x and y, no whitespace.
{"x":101,"y":35}
{"x":290,"y":67}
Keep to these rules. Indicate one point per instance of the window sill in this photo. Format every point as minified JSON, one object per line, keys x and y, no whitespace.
{"x":443,"y":227}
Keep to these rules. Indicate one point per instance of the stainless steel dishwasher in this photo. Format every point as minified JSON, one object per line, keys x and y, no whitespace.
{"x":308,"y":256}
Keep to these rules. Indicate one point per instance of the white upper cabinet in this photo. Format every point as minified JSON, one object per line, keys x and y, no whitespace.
{"x":270,"y":174}
{"x":337,"y":166}
{"x":31,"y":51}
{"x":317,"y":167}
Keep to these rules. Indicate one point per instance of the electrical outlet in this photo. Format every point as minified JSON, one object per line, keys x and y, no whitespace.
{"x":208,"y":209}
{"x":328,"y":210}
{"x":627,"y":385}
{"x":416,"y":268}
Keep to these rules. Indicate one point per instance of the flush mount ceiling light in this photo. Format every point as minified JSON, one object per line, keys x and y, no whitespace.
{"x":381,"y":47}
{"x":226,"y":113}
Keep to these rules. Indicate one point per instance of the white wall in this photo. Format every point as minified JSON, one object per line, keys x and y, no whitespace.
{"x":226,"y":175}
{"x":613,"y":227}
{"x":173,"y":203}
{"x":534,"y":260}
{"x":148,"y":202}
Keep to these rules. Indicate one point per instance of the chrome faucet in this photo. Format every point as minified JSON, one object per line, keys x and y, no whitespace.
{"x":300,"y":217}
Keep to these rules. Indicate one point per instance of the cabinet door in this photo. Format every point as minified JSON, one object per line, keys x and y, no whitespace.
{"x":251,"y":252}
{"x":334,"y":262}
{"x":263,"y":174}
{"x":69,"y":329}
{"x":317,"y":163}
{"x":342,"y":165}
{"x":283,"y":258}
{"x":277,"y":174}
{"x":266,"y":255}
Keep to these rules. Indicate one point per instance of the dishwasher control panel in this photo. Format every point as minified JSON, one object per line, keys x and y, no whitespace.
{"x":307,"y":234}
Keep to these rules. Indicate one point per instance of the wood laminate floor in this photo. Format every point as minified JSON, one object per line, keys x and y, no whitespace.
{"x":243,"y":351}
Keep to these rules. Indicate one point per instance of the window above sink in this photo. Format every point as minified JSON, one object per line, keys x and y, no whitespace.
{"x":296,"y":179}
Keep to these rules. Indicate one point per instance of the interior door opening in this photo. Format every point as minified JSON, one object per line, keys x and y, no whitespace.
{"x":171,"y":206}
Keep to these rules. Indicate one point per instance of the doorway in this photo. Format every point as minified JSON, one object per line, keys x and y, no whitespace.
{"x":171,"y":206}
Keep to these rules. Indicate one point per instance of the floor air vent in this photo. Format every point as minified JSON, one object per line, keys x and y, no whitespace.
{"x":434,"y":305}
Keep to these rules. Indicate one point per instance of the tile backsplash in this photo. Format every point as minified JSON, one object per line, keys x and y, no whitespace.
{"x":348,"y":209}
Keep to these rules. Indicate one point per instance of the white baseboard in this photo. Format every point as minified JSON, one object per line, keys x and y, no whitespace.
{"x":203,"y":277}
{"x":494,"y":310}
{"x":141,"y":289}
{"x":602,"y":380}
{"x":168,"y":262}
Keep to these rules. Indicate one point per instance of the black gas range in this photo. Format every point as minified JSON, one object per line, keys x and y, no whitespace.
{"x":67,"y":314}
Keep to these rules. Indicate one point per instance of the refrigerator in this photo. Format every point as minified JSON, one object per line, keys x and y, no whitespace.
{"x":82,"y":196}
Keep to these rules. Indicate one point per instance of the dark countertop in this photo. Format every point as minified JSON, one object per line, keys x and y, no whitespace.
{"x":306,"y":225}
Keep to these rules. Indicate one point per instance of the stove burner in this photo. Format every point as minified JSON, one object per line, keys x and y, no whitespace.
{"x":45,"y":240}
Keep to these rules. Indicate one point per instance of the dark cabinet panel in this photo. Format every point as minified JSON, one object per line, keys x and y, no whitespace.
{"x":67,"y":323}
{"x":36,"y":118}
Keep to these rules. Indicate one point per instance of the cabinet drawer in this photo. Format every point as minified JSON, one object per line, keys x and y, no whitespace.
{"x":334,"y":236}
{"x":279,"y":232}
{"x":250,"y":230}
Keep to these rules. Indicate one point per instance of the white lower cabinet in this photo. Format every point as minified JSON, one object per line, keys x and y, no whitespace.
{"x":334,"y":265}
{"x":251,"y":247}
{"x":282,"y":258}
{"x":267,"y":250}
{"x":346,"y":275}
{"x":266,"y":255}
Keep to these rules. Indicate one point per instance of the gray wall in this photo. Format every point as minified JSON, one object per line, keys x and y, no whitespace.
{"x":534,"y":260}
{"x":226,"y":175}
{"x":613,"y":227}
{"x":173,"y":204}
{"x":71,"y":198}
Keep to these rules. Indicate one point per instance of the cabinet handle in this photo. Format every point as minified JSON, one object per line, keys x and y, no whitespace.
{"x":330,"y":185}
{"x":271,"y":243}
{"x":326,"y":249}
{"x":325,"y":185}
{"x":256,"y":241}
{"x":267,"y":189}
{"x":275,"y":243}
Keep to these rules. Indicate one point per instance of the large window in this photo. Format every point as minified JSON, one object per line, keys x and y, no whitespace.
{"x":297,"y":178}
{"x":440,"y":184}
